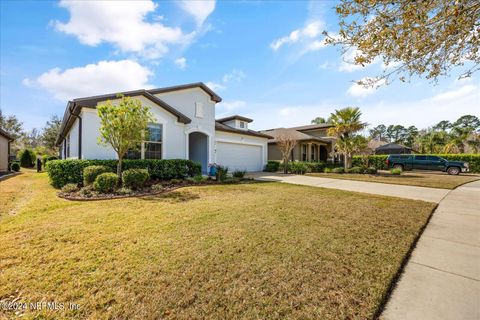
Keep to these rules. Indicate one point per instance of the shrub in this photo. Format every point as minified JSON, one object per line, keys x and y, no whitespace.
{"x":338,"y":170}
{"x":158,"y":187}
{"x":298,"y":167}
{"x":376,"y":161}
{"x":176,"y":181}
{"x":124,"y":191}
{"x":46,"y":158}
{"x":70,"y":187}
{"x":355,"y":170}
{"x":396,"y":171}
{"x":62,"y":172}
{"x":27,"y":158}
{"x":371,"y":170}
{"x":91,"y":173}
{"x":199,"y":179}
{"x":15,"y":166}
{"x":222,"y":173}
{"x":86,"y":191}
{"x":272,"y":166}
{"x":105,"y":182}
{"x":135,"y":178}
{"x":239,"y":174}
{"x":327,"y":170}
{"x":315,"y":166}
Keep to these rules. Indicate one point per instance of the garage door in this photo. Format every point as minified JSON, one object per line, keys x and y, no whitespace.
{"x":239,"y":156}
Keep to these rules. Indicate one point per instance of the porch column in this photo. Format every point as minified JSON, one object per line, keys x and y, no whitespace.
{"x":318,"y":152}
{"x":309,"y":152}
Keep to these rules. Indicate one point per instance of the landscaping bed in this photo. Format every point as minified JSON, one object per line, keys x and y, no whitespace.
{"x":156,"y":188}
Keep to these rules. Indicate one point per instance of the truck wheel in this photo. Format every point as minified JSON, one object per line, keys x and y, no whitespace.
{"x":453,"y":170}
{"x":398,"y":166}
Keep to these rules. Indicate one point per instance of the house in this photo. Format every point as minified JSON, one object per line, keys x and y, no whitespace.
{"x":184,"y":128}
{"x":313,"y":142}
{"x":5,"y":140}
{"x":393,"y":148}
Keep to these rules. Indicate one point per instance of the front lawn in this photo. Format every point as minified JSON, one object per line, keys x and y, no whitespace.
{"x":432,"y":180}
{"x":253,"y":251}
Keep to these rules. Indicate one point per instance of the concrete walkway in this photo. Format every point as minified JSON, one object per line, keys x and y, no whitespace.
{"x":442,"y":277}
{"x":394,"y":190}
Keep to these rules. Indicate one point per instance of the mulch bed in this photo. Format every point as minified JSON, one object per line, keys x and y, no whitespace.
{"x":147,"y":191}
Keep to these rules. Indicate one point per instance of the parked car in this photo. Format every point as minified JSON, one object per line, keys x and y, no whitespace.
{"x":425,"y":162}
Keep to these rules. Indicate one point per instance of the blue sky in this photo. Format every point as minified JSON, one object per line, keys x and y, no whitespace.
{"x":265,"y":59}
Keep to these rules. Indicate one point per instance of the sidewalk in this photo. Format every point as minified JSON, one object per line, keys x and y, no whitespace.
{"x":393,"y":190}
{"x":442,"y":277}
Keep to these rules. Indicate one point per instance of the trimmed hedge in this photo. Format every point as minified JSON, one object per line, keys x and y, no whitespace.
{"x":91,"y":173}
{"x":301,"y":167}
{"x":15,"y":166}
{"x":135,"y":178}
{"x":62,"y":172}
{"x":106,"y":182}
{"x":378,"y":161}
{"x":272,"y":166}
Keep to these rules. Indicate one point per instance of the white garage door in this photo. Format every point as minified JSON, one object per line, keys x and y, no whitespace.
{"x":239,"y":156}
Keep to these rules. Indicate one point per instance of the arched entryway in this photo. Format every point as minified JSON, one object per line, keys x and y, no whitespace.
{"x":323,"y":153}
{"x":198,"y":149}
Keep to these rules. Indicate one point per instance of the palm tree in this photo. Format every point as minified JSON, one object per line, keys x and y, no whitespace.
{"x":346,"y":122}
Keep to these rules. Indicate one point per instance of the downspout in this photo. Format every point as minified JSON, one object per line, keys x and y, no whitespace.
{"x":79,"y":135}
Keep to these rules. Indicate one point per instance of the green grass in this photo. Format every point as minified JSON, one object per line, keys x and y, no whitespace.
{"x":438,"y":180}
{"x":251,"y":251}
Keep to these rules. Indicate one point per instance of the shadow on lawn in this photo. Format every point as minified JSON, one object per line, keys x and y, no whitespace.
{"x":177,"y":196}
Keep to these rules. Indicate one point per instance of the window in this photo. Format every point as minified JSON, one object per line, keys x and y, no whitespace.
{"x":304,"y":152}
{"x":433,"y":158}
{"x":133,"y":154}
{"x":242,"y":124}
{"x":153,"y":146}
{"x":420,"y":157}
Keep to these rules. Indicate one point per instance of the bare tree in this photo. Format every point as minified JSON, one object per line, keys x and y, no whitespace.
{"x":286,"y":142}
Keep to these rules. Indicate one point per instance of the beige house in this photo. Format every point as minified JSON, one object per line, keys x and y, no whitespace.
{"x":5,"y":140}
{"x":313,"y":143}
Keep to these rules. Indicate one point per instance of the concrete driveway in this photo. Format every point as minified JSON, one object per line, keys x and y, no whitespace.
{"x":402,"y":191}
{"x":442,"y":277}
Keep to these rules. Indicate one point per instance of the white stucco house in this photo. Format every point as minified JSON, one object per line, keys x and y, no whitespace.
{"x":185,"y":128}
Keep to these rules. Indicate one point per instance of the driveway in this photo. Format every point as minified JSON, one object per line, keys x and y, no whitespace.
{"x":402,"y":191}
{"x":442,"y":277}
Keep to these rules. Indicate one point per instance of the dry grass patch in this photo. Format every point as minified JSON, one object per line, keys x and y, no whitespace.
{"x":431,"y":180}
{"x":264,"y":250}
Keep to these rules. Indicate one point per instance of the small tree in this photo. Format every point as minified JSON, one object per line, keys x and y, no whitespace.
{"x":27,"y":158}
{"x":123,"y":126}
{"x":286,"y":142}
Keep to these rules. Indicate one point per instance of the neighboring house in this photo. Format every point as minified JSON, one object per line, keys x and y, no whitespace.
{"x":393,"y":148}
{"x":184,"y":128}
{"x":5,"y":140}
{"x":374,"y":144}
{"x":313,"y":143}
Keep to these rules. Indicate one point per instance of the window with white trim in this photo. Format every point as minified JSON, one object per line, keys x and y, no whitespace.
{"x":242,"y":124}
{"x":153,"y":146}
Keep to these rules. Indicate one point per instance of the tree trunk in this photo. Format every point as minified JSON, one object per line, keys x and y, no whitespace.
{"x":119,"y":169}
{"x":346,"y":160}
{"x":285,"y":165}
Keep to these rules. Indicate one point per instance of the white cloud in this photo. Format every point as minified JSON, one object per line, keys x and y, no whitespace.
{"x":454,"y":94}
{"x":181,"y":63}
{"x":92,"y":79}
{"x":225,"y":108}
{"x":357,"y":90}
{"x":123,"y":24}
{"x":215,"y":86}
{"x":309,"y":32}
{"x":199,"y":9}
{"x":235,"y":75}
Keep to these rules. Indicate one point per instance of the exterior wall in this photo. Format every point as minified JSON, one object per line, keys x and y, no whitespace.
{"x":173,"y":135}
{"x":222,"y":136}
{"x":74,"y":140}
{"x":4,"y":153}
{"x":185,"y":101}
{"x":235,"y":123}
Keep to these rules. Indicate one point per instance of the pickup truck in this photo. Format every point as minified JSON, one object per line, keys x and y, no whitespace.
{"x":425,"y":162}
